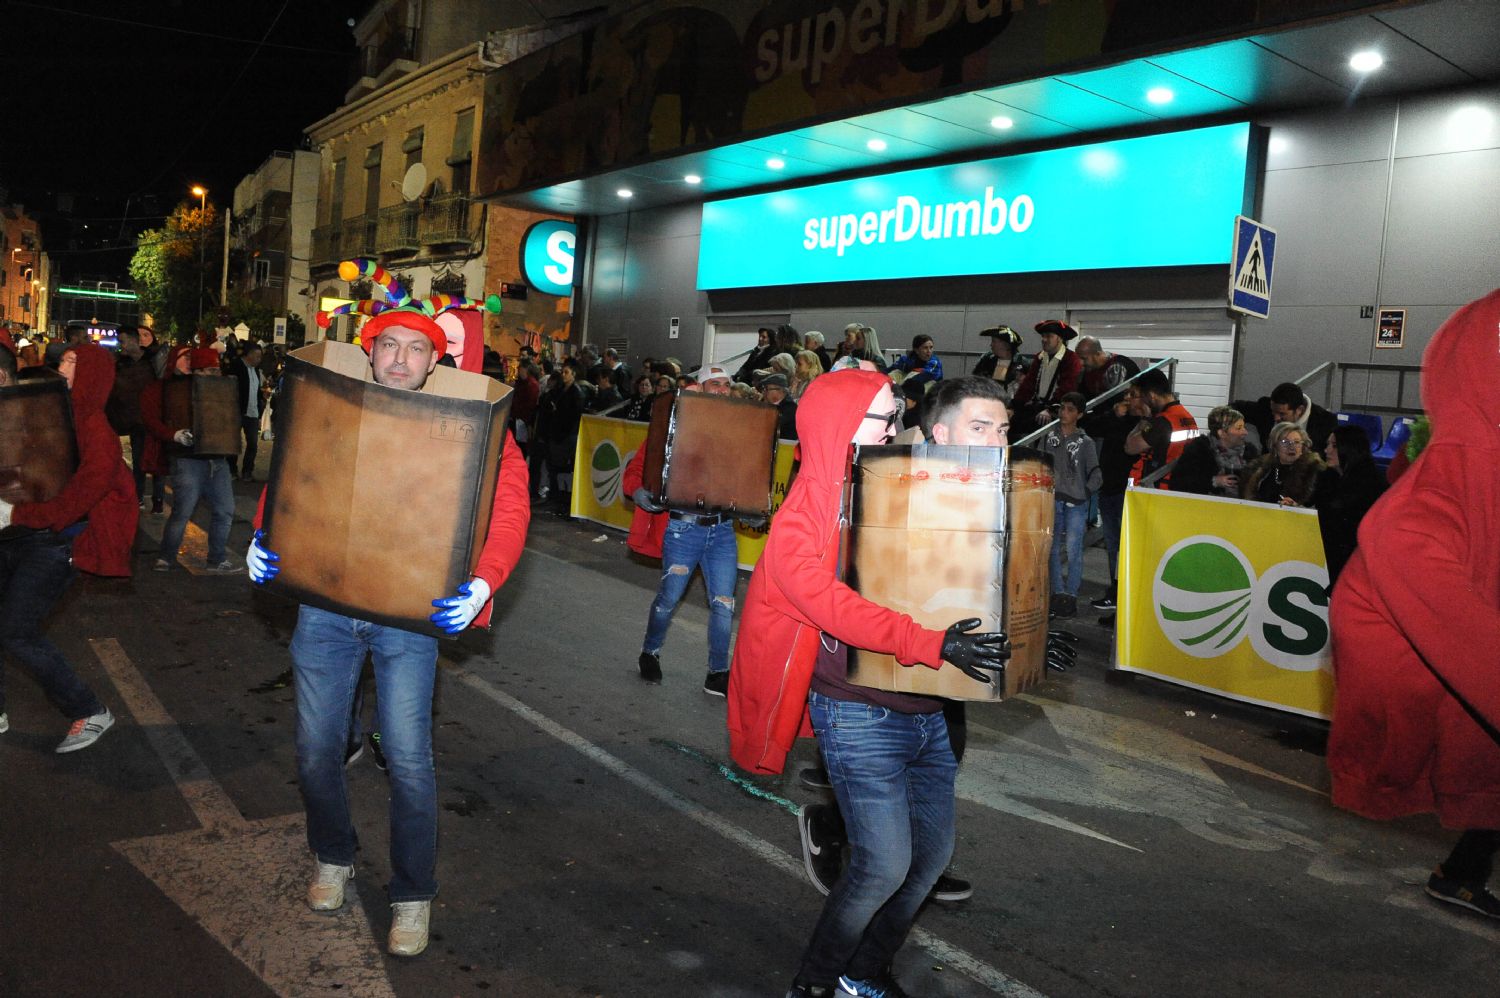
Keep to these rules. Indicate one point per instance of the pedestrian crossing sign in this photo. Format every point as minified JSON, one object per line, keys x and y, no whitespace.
{"x":1251,"y":266}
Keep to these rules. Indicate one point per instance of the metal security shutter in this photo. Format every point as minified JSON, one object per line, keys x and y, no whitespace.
{"x":1202,"y":340}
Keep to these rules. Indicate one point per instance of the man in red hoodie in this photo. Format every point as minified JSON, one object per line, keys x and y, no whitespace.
{"x":89,"y":525}
{"x":328,"y":654}
{"x":888,"y":754}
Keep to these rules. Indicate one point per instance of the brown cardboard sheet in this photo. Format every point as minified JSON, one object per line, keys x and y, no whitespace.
{"x":379,"y":499}
{"x":944,"y":533}
{"x":720,"y":455}
{"x":38,"y":452}
{"x":210,"y":406}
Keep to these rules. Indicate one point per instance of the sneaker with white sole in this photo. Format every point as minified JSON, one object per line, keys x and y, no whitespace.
{"x":161,"y":565}
{"x":1472,"y":896}
{"x":951,"y":888}
{"x":822,"y":849}
{"x":409,"y":919}
{"x":326,"y":892}
{"x":225,"y":567}
{"x":4,"y":723}
{"x":86,"y":731}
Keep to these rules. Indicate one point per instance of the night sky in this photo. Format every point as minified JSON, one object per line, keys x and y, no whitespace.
{"x":128,"y":99}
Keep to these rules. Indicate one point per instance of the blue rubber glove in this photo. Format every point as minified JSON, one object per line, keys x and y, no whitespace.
{"x":263,"y":564}
{"x":458,"y":611}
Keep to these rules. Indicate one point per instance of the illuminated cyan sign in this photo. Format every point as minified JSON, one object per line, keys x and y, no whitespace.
{"x":1156,"y":201}
{"x":547,"y":256}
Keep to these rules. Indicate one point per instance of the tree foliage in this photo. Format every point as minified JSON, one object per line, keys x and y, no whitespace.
{"x":173,"y":262}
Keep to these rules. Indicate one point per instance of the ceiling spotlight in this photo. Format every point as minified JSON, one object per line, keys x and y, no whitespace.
{"x":875,"y":145}
{"x":1366,"y":62}
{"x":1159,"y":95}
{"x":776,"y":164}
{"x":625,"y":192}
{"x":692,"y":178}
{"x":1001,"y":122}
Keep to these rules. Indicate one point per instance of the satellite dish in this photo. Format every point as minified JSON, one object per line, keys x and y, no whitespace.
{"x":414,"y":181}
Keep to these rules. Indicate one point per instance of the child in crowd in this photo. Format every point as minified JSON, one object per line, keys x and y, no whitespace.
{"x":1077,"y":477}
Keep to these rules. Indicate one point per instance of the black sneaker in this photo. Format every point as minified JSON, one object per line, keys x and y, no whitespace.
{"x":1108,"y":620}
{"x":375,"y":752}
{"x":822,"y":853}
{"x":353,"y":751}
{"x":1471,"y":896}
{"x":812,"y":991}
{"x":951,"y":888}
{"x":717,"y":684}
{"x":1064,"y":605}
{"x":1105,"y":602}
{"x":815,"y":777}
{"x":650,"y":667}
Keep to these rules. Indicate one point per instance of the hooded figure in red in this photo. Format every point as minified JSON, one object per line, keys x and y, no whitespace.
{"x":101,"y":492}
{"x":795,"y":593}
{"x":1416,"y":722}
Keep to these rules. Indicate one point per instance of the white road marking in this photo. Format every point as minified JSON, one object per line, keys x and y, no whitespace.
{"x":953,"y":956}
{"x":243,"y":881}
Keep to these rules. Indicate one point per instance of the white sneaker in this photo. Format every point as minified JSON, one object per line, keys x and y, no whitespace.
{"x":326,"y":893}
{"x":86,"y":731}
{"x":225,"y":567}
{"x":409,"y":920}
{"x":4,"y":723}
{"x":161,"y":565}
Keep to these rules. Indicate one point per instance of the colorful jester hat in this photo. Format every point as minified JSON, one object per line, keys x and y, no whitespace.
{"x":400,"y":308}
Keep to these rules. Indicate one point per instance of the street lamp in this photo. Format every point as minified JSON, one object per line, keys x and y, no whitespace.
{"x":201,"y":193}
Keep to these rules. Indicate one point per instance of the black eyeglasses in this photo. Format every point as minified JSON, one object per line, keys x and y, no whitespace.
{"x":890,"y":418}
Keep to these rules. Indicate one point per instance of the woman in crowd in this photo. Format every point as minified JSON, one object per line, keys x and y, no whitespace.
{"x":1346,"y":491}
{"x":808,"y":367}
{"x":740,"y":390}
{"x":1287,"y":474}
{"x":1212,"y":465}
{"x":922,"y":362}
{"x":639,"y":408}
{"x":866,"y":346}
{"x":765,"y":349}
{"x":782,"y":364}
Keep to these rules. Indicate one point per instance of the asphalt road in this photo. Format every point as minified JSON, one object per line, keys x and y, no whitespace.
{"x":1125,"y":838}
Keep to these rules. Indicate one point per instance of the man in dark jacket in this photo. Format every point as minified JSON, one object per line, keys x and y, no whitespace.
{"x":88,"y":525}
{"x":1287,"y":403}
{"x":245,"y":370}
{"x":133,"y":372}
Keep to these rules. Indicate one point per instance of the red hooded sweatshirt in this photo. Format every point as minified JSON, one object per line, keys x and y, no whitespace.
{"x":1414,"y":652}
{"x":646,"y":529}
{"x":101,"y":491}
{"x":795,"y":593}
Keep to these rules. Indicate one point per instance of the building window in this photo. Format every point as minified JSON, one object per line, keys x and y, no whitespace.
{"x":372,"y":178}
{"x":262,"y":269}
{"x":462,"y":157}
{"x":336,"y":193}
{"x":413,"y":147}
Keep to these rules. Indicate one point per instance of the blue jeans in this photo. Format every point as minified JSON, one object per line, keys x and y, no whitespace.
{"x":35,"y":570}
{"x":1070,"y":521}
{"x":893,"y":776}
{"x":1112,"y":514}
{"x":714,"y":549}
{"x":195,"y":478}
{"x":328,"y":653}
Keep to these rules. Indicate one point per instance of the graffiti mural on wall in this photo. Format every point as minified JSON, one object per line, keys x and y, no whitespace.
{"x":672,"y":76}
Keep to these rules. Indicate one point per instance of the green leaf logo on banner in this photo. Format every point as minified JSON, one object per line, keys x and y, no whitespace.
{"x":607,"y":471}
{"x":1202,"y":593}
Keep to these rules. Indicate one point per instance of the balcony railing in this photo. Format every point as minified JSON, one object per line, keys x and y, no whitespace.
{"x":397,"y":230}
{"x":399,"y":44}
{"x":358,"y":237}
{"x":326,"y":244}
{"x":447,"y":220}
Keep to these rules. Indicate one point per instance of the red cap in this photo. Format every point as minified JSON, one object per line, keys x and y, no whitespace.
{"x":202,"y":358}
{"x":407,"y":319}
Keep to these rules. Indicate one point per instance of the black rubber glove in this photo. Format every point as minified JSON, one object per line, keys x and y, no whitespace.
{"x":1061,"y":655}
{"x":980,"y":656}
{"x":642,"y":498}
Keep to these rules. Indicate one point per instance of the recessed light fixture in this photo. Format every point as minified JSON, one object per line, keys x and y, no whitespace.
{"x":625,"y":192}
{"x":776,"y":164}
{"x":1160,"y":95}
{"x":1001,"y":122}
{"x":1367,"y":61}
{"x":875,"y":145}
{"x":692,"y":178}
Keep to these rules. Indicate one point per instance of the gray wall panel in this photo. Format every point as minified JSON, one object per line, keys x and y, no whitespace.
{"x":1328,"y":238}
{"x":1443,"y":236}
{"x":1322,"y":138}
{"x":1439,"y":124}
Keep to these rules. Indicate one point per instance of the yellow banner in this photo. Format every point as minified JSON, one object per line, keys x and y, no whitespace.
{"x":1226,"y":596}
{"x":605,"y":447}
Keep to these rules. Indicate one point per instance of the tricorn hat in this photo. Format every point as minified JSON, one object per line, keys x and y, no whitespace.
{"x":1057,"y":328}
{"x":1004,"y":333}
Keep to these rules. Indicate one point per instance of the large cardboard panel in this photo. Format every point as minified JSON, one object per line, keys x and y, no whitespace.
{"x":720,"y":455}
{"x":655,"y":460}
{"x":38,"y":452}
{"x":944,"y":533}
{"x":379,"y":499}
{"x":210,"y":406}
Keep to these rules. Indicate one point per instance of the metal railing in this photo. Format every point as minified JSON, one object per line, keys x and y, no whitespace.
{"x":396,"y":229}
{"x":446,"y":220}
{"x":358,"y":237}
{"x":1170,"y":363}
{"x":326,"y":241}
{"x":1329,"y":370}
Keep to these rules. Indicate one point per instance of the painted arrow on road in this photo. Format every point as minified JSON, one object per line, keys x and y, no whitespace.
{"x":243,"y":881}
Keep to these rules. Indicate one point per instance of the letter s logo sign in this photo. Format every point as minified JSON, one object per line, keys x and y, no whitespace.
{"x":548,"y":252}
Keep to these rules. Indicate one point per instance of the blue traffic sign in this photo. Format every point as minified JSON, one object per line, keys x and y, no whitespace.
{"x":1250,"y":270}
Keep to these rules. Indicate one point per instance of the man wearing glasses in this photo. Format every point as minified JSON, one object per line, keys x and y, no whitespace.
{"x":888,"y":754}
{"x":1161,"y":438}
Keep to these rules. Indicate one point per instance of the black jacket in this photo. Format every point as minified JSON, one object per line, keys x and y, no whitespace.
{"x":1342,"y":501}
{"x":241,"y":375}
{"x":1196,"y":468}
{"x":1320,"y":422}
